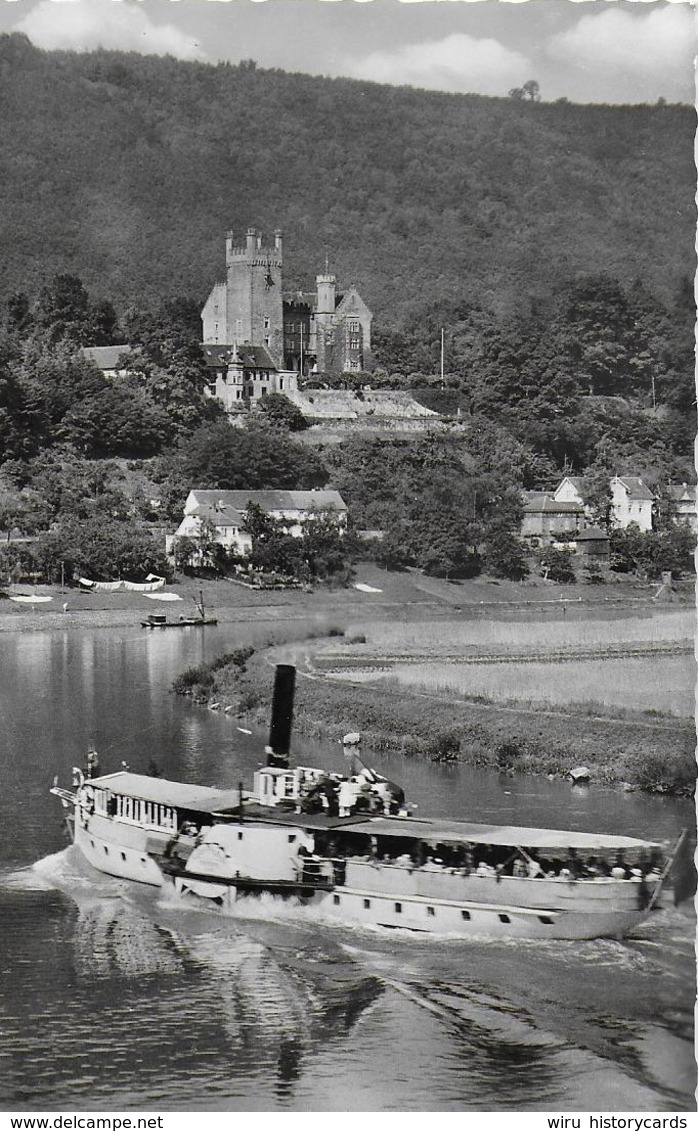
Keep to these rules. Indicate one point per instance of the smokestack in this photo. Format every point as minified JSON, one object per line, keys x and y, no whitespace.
{"x":281,"y":715}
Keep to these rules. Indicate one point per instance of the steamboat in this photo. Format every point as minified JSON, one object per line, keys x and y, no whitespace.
{"x":348,"y":845}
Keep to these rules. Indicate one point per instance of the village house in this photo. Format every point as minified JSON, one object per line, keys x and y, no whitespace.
{"x":683,"y":498}
{"x":223,"y":514}
{"x":545,"y":519}
{"x":631,"y":499}
{"x":112,"y":361}
{"x":258,"y":340}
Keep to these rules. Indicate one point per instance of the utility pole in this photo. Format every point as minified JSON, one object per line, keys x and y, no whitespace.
{"x":442,"y":357}
{"x":301,"y":348}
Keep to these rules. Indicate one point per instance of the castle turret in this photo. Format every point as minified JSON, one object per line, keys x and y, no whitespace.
{"x":326,"y":293}
{"x":254,"y":307}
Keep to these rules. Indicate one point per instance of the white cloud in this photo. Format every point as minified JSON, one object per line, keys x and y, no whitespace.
{"x":84,"y":25}
{"x":458,"y":63}
{"x":649,"y":54}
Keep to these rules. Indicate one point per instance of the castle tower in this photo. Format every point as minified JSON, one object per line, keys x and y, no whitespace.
{"x":326,"y":294}
{"x":254,"y":307}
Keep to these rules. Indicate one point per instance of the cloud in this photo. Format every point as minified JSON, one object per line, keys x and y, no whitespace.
{"x":459,"y":63}
{"x":84,"y":25}
{"x":647,"y":55}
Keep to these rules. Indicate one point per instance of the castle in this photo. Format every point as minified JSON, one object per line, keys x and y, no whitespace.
{"x":258,"y":340}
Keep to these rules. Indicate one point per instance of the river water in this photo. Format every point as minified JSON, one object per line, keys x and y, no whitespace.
{"x":110,"y":1001}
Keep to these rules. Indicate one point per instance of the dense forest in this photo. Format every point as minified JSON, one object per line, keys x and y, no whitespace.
{"x":127,"y":170}
{"x":550,"y":244}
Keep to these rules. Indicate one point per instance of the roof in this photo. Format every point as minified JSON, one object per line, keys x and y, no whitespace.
{"x":635,"y":487}
{"x":252,"y":357}
{"x":592,"y":534}
{"x":220,"y":501}
{"x":179,"y":795}
{"x":684,"y":492}
{"x":218,"y":515}
{"x":106,"y":357}
{"x":462,"y":832}
{"x":545,"y":504}
{"x":575,"y":480}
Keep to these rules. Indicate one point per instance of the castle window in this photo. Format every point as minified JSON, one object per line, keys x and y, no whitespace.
{"x":281,"y":383}
{"x":266,"y":323}
{"x":353,"y":327}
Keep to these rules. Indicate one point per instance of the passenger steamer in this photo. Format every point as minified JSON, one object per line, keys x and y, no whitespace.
{"x":348,"y":846}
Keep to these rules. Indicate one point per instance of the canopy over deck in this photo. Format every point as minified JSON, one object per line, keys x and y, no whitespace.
{"x":178,"y":795}
{"x":462,"y":832}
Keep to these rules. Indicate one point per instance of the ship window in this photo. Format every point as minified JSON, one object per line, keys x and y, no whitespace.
{"x":335,"y":899}
{"x":239,"y":836}
{"x":545,"y":919}
{"x":430,"y":911}
{"x":291,"y":838}
{"x":123,"y":855}
{"x":398,"y":908}
{"x":367,"y":904}
{"x":106,"y":850}
{"x":92,"y":843}
{"x":504,"y":919}
{"x":465,"y":914}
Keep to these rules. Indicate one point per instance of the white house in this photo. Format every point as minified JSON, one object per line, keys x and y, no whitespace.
{"x":631,"y":502}
{"x":631,"y":499}
{"x":112,"y":361}
{"x":225,"y":512}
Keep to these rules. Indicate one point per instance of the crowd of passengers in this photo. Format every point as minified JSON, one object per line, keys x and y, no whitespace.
{"x":493,"y":861}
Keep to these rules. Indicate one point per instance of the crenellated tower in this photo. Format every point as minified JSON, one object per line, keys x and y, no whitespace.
{"x":254,"y":305}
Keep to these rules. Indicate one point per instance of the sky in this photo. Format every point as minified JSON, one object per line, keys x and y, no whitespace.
{"x":618,"y":51}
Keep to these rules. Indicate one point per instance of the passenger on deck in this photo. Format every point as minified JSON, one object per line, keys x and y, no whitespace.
{"x":519,"y":868}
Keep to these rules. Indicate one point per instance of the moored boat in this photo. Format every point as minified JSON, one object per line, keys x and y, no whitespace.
{"x":347,"y":845}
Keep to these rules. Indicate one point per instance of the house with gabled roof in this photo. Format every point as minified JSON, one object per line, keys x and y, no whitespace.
{"x":546,"y":518}
{"x":631,"y":502}
{"x":683,"y":497}
{"x":223,"y":512}
{"x":631,"y":499}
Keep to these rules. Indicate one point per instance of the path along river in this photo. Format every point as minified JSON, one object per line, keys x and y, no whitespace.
{"x":109,"y":1001}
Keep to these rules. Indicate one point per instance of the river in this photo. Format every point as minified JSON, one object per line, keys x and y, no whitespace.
{"x":110,"y":1001}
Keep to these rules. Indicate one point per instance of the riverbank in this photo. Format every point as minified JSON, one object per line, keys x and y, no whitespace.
{"x":641,"y":751}
{"x":376,"y":592}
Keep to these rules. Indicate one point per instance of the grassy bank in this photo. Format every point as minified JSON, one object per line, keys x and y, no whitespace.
{"x":654,"y":755}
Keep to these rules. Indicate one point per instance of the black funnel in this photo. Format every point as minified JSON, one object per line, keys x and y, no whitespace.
{"x":281,"y":715}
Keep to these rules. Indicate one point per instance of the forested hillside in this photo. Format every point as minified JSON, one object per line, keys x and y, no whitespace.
{"x":126,"y":170}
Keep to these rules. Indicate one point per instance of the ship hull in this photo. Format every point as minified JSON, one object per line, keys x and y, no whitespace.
{"x":583,"y":918}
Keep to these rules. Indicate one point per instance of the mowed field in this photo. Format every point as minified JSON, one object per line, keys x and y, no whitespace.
{"x":641,"y":662}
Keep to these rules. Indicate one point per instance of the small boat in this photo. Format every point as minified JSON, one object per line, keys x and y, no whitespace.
{"x":160,"y":620}
{"x":348,"y":845}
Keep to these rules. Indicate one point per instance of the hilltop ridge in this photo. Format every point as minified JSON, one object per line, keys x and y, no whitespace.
{"x":126,"y":169}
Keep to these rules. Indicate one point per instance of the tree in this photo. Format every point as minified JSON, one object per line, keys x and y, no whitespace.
{"x":121,"y":420}
{"x":556,"y":565}
{"x":531,"y":90}
{"x":257,"y":457}
{"x":504,"y":555}
{"x":281,"y":411}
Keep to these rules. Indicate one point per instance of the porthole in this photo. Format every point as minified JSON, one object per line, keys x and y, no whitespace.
{"x":398,"y":908}
{"x":430,"y":911}
{"x":367,"y":904}
{"x":465,"y":914}
{"x":335,"y":899}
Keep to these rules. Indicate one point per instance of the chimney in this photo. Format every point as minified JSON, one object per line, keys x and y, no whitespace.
{"x":281,"y":715}
{"x":251,"y":241}
{"x":277,"y":241}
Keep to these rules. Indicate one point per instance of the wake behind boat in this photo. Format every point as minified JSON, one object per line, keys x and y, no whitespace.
{"x":347,"y":845}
